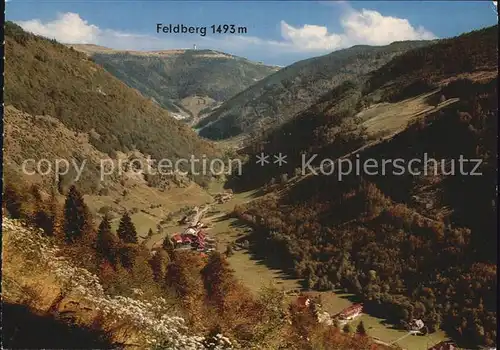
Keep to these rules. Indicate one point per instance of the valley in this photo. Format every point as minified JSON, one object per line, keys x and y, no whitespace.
{"x":257,"y":271}
{"x":188,"y":82}
{"x":272,"y":258}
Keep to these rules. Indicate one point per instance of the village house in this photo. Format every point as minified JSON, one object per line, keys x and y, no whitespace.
{"x":415,"y":326}
{"x":351,"y":312}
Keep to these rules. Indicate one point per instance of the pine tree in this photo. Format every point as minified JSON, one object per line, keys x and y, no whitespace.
{"x":106,"y":242}
{"x":126,"y":230}
{"x":150,"y":233}
{"x":168,"y":245}
{"x":360,"y":329}
{"x":77,"y":220}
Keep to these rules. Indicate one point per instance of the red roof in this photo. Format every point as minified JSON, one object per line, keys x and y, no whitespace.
{"x":302,"y":300}
{"x":351,"y":310}
{"x":177,"y":238}
{"x":186,"y":239}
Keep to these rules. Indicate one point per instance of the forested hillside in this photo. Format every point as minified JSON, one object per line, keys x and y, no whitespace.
{"x":412,"y":245}
{"x":419,"y":70}
{"x":172,"y":75}
{"x":44,"y":77}
{"x":337,"y":123}
{"x":294,"y":89}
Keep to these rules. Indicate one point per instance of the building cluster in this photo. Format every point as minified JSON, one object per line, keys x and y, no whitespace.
{"x":343,"y":317}
{"x":194,"y":238}
{"x":415,"y":326}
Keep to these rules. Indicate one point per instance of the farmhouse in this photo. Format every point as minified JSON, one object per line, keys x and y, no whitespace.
{"x":415,"y":326}
{"x":195,"y":238}
{"x":351,"y":312}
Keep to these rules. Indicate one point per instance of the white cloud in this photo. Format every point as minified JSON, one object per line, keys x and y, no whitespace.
{"x":68,"y":28}
{"x":358,"y":27}
{"x":371,"y":27}
{"x":310,"y":37}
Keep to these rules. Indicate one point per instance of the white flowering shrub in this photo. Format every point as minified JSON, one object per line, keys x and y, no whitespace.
{"x":156,"y":328}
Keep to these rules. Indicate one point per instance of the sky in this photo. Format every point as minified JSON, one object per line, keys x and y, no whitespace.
{"x":277,"y":32}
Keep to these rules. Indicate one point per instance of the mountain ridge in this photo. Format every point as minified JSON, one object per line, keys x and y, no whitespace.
{"x":170,"y":76}
{"x":44,"y":77}
{"x":295,"y":88}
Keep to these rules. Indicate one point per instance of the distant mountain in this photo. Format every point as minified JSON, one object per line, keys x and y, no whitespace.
{"x":295,"y":88}
{"x":174,"y":78}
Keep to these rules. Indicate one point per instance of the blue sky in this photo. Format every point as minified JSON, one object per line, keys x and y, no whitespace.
{"x":277,"y":32}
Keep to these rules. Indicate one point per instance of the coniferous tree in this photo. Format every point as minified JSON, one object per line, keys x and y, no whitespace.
{"x":127,"y":253}
{"x":106,"y":242}
{"x":168,"y":245}
{"x":126,"y":230}
{"x":360,"y":329}
{"x":77,"y":221}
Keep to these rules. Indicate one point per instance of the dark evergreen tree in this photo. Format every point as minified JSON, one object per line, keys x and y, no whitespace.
{"x":126,"y":230}
{"x":168,"y":245}
{"x":127,"y":254}
{"x":360,"y":329}
{"x":106,"y":241}
{"x":150,"y":233}
{"x":77,"y":220}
